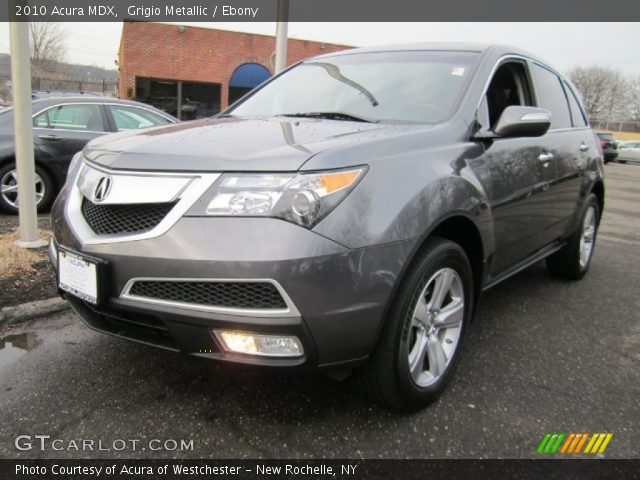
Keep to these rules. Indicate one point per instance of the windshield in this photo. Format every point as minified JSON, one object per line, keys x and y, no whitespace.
{"x":394,"y":87}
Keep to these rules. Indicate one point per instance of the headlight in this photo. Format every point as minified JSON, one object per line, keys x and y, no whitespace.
{"x":300,"y":198}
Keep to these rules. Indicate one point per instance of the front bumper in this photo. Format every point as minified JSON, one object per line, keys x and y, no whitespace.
{"x":340,"y":295}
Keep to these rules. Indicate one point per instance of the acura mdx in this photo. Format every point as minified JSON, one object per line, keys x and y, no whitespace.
{"x":345,"y":215}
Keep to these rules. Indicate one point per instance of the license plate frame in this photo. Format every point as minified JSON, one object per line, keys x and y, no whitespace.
{"x":89,"y":285}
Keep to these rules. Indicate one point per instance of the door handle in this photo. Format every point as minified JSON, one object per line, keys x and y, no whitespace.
{"x":584,"y":147}
{"x":545,"y":157}
{"x":52,"y":138}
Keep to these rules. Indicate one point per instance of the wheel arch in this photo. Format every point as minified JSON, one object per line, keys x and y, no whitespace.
{"x":42,"y":165}
{"x":459,"y":228}
{"x":598,"y":190}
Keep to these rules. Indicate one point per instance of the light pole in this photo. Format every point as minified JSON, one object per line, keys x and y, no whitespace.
{"x":21,"y":82}
{"x":281,"y":36}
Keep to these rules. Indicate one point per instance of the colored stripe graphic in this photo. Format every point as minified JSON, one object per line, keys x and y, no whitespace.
{"x":584,"y":439}
{"x":543,"y":443}
{"x":598,"y":442}
{"x":550,"y":443}
{"x":574,"y":442}
{"x":606,"y":442}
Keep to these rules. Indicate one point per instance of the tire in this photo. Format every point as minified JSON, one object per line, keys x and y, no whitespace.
{"x":415,"y":359}
{"x":9,"y":196}
{"x":574,"y":259}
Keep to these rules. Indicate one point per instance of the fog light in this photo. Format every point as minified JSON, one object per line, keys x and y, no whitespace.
{"x":258,"y":344}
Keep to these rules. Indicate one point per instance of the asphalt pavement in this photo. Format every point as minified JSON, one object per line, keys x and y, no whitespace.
{"x":542,"y":356}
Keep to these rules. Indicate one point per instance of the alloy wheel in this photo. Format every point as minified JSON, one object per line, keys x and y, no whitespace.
{"x":436,"y":324}
{"x":587,"y":237}
{"x":9,"y":188}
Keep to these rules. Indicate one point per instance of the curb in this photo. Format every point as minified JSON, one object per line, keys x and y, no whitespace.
{"x":29,"y":310}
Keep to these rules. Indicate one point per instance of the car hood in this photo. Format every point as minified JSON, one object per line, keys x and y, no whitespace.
{"x":231,"y":144}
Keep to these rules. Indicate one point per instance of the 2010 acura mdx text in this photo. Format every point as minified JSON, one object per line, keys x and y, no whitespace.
{"x":345,"y":215}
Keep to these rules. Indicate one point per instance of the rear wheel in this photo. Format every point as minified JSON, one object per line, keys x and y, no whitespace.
{"x":420,"y":343}
{"x":9,"y":197}
{"x":574,"y":259}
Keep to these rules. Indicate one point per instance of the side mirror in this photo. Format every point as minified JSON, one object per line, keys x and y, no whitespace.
{"x":517,"y":121}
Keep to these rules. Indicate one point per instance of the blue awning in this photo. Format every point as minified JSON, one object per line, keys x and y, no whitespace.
{"x":249,"y":75}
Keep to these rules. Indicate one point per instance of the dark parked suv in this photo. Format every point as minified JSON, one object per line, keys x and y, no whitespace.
{"x":609,"y":146}
{"x":346,"y":215}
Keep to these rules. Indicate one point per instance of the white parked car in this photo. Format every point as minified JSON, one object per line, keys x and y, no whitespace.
{"x":629,"y":152}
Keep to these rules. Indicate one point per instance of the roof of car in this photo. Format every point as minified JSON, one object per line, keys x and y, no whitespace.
{"x":80,"y":99}
{"x":437,"y":46}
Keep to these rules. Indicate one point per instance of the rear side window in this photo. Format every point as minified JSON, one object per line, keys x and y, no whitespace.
{"x":550,"y":95}
{"x":577,"y":115}
{"x":131,"y":118}
{"x":71,"y":117}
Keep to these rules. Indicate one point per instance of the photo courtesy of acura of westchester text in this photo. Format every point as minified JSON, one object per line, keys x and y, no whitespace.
{"x":288,"y":236}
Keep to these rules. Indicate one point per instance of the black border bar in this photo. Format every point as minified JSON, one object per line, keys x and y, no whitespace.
{"x":321,"y":10}
{"x":568,"y":469}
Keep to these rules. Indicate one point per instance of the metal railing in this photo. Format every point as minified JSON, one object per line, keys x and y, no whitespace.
{"x":616,"y":126}
{"x":101,"y":86}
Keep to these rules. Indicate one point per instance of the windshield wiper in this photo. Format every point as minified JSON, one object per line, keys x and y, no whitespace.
{"x":328,"y":116}
{"x":334,"y":71}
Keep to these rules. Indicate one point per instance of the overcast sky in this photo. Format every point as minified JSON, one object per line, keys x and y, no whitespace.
{"x":563,"y":45}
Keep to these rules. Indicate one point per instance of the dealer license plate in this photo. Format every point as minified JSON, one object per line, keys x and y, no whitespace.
{"x":78,"y":275}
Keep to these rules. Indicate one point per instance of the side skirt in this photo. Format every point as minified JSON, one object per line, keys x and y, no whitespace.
{"x":527,"y":262}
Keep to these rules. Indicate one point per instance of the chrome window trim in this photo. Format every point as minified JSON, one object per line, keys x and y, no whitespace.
{"x":33,"y":116}
{"x":290,"y":311}
{"x":71,"y":130}
{"x":199,"y":183}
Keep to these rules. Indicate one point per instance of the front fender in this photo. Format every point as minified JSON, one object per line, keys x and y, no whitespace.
{"x":406,"y":197}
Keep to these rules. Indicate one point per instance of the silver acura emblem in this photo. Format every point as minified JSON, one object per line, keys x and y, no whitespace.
{"x":102,"y":189}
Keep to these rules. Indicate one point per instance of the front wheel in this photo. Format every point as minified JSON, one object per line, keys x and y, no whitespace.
{"x":573,"y":260}
{"x":421,"y":341}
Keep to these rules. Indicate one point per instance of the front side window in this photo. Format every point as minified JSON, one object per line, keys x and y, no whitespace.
{"x":550,"y":95}
{"x":509,"y":87}
{"x":131,"y":118}
{"x":71,"y":117}
{"x":387,"y":87}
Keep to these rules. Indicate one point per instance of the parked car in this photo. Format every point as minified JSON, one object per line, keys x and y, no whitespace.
{"x":348,"y":226}
{"x":609,"y":146}
{"x":629,"y":152}
{"x":62,"y":126}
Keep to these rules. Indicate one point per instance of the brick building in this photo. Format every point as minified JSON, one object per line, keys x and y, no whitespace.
{"x":198,"y":71}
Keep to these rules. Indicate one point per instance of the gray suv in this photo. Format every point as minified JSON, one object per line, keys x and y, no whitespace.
{"x":345,"y":215}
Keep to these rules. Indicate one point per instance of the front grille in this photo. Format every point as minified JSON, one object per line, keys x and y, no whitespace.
{"x":242,"y":295}
{"x":130,"y":218}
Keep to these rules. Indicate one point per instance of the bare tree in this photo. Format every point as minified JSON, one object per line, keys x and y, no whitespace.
{"x":47,"y":45}
{"x":604,"y":92}
{"x":634,"y":98}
